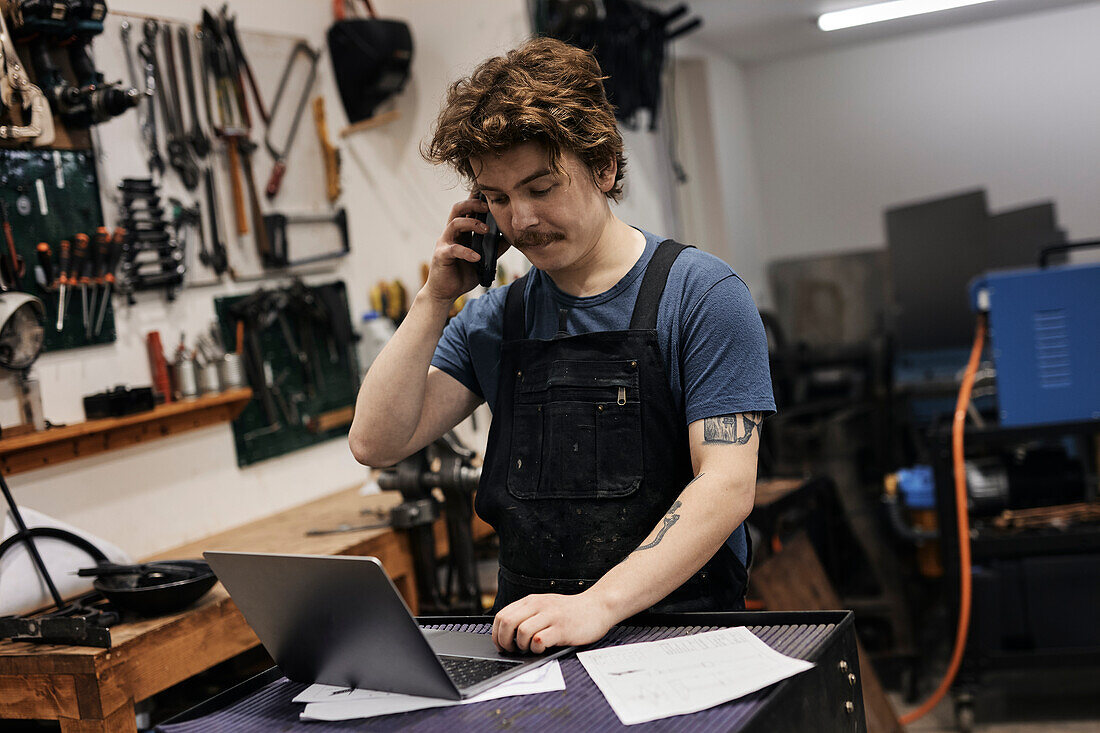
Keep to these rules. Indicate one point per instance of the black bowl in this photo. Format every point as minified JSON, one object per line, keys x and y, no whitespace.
{"x":154,"y":593}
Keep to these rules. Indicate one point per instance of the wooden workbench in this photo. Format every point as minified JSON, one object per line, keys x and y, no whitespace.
{"x":88,"y":689}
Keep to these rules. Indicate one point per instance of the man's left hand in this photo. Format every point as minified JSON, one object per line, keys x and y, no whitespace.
{"x":537,"y":622}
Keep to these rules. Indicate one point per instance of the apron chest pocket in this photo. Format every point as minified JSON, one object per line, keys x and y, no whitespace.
{"x":576,"y":432}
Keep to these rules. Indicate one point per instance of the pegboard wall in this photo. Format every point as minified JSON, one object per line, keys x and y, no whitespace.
{"x":303,"y":188}
{"x":50,"y":196}
{"x":306,"y":358}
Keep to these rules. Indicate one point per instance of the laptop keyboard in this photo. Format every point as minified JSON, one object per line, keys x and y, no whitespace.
{"x":468,"y":671}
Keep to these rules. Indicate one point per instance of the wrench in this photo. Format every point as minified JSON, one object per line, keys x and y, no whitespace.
{"x":179,"y":155}
{"x":147,"y":50}
{"x":199,"y":142}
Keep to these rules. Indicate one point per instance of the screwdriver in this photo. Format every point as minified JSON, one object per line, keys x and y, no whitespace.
{"x":63,"y":280}
{"x":99,"y":262}
{"x":78,"y":275}
{"x":114,"y":254}
{"x":43,"y":274}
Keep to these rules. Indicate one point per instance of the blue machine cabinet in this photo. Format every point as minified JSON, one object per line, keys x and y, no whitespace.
{"x":1045,"y":333}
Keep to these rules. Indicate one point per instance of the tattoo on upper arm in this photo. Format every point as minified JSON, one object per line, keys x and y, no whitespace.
{"x":669,"y":519}
{"x":728,"y":429}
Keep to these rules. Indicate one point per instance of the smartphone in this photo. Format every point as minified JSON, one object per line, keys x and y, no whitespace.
{"x":487,"y":245}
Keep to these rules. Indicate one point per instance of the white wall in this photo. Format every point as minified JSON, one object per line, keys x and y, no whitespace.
{"x":1009,"y":105}
{"x":720,"y":202}
{"x":153,"y":497}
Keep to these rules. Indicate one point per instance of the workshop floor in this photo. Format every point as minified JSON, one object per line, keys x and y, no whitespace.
{"x":1043,"y":701}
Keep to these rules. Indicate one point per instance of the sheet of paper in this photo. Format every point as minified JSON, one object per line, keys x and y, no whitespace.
{"x":659,"y":679}
{"x":325,"y":702}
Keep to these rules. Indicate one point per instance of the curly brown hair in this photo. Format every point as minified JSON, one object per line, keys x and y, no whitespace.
{"x":544,"y":91}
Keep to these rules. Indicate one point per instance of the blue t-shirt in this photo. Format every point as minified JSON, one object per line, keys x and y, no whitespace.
{"x":709,"y":331}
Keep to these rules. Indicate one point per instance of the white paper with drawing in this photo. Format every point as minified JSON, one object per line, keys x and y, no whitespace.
{"x":659,"y":679}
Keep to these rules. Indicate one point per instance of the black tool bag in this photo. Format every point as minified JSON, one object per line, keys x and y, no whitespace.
{"x":370,"y":59}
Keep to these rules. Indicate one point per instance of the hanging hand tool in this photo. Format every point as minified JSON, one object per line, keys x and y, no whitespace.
{"x":217,"y":63}
{"x":152,"y":258}
{"x":200,"y":144}
{"x":218,"y":261}
{"x":187,"y":220}
{"x":280,"y":303}
{"x":100,"y":247}
{"x":233,"y":69}
{"x":243,"y":68}
{"x":303,"y":50}
{"x":114,"y":254}
{"x":239,"y":68}
{"x":78,"y":274}
{"x":206,"y":68}
{"x":146,"y":112}
{"x":253,"y":314}
{"x":179,"y":154}
{"x":63,"y":281}
{"x":13,"y":267}
{"x":329,"y":152}
{"x":276,"y":225}
{"x":43,"y":272}
{"x":263,"y":244}
{"x":147,"y":50}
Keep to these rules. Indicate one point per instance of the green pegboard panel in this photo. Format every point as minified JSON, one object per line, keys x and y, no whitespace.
{"x":335,"y":388}
{"x":52,"y":195}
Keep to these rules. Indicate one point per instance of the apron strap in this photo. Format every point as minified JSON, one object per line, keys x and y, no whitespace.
{"x":653,"y":285}
{"x":515,"y":315}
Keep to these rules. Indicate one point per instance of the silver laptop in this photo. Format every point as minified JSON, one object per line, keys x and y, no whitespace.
{"x":340,"y":621}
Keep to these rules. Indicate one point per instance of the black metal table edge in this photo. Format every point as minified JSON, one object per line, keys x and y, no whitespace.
{"x":730,"y":619}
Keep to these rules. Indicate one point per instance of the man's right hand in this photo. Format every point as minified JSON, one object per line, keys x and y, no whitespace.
{"x":451,"y":273}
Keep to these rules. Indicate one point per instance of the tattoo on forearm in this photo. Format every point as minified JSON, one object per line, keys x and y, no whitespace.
{"x":728,"y":429}
{"x":669,"y":519}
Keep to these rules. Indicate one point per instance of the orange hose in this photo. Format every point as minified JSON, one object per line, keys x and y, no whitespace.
{"x":957,"y":429}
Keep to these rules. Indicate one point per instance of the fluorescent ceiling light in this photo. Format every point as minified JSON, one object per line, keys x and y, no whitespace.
{"x":887,"y":11}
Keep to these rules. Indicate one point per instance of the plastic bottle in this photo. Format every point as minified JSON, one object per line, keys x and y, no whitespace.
{"x":375,"y":331}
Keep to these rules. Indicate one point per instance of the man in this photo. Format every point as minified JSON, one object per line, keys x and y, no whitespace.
{"x":628,"y":377}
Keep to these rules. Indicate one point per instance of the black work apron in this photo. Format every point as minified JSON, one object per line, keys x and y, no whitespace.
{"x":587,"y":452}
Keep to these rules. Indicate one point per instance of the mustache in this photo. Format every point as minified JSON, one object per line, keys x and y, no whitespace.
{"x":535,"y":239}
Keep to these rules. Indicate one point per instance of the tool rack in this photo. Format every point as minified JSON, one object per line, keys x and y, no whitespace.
{"x":52,"y":195}
{"x":323,"y":413}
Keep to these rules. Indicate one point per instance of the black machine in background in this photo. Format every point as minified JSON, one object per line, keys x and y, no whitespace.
{"x":867,"y":351}
{"x":446,"y":465}
{"x":1035,"y":551}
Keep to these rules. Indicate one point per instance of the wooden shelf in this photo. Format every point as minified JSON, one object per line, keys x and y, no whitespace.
{"x":57,"y":445}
